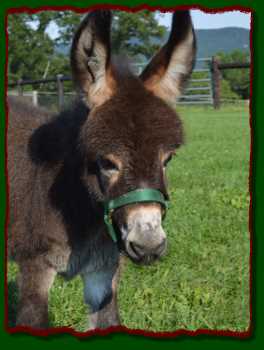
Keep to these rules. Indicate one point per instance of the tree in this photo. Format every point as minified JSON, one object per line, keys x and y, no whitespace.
{"x":29,"y":46}
{"x":239,"y":79}
{"x":132,"y":33}
{"x":33,"y":54}
{"x":226,"y":92}
{"x":136,"y":33}
{"x":67,"y":22}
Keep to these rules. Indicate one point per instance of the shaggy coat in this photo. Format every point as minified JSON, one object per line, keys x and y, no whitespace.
{"x":61,"y":170}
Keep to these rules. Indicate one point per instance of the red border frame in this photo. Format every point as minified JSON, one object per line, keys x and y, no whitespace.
{"x":123,"y":329}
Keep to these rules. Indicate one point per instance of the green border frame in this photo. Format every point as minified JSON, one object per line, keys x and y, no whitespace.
{"x":257,"y":185}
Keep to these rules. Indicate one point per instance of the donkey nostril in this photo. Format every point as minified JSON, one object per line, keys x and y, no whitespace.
{"x":141,"y":251}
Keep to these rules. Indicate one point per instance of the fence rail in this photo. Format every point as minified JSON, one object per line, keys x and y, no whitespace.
{"x":203,"y":89}
{"x":40,"y":81}
{"x":233,"y":65}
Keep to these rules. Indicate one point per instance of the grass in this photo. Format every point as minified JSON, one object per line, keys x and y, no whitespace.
{"x":203,"y":282}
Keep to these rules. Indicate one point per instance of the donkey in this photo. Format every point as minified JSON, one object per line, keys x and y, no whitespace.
{"x":90,"y":183}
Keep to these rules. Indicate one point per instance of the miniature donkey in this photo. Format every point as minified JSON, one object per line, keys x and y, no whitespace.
{"x":63,"y":169}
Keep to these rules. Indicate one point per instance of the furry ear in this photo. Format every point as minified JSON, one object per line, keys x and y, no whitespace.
{"x":90,"y":57}
{"x":170,"y":68}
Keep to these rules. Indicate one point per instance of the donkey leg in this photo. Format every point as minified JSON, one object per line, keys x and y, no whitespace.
{"x":34,"y":281}
{"x":100,"y":293}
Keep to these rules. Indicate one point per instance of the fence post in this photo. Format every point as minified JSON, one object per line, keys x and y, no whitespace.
{"x":35,"y":97}
{"x":19,"y":87}
{"x":60,"y":91}
{"x":215,"y":82}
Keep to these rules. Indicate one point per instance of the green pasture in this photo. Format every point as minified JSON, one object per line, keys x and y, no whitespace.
{"x":203,"y":281}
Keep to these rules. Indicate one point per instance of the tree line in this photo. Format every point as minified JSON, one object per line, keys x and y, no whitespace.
{"x":34,"y":53}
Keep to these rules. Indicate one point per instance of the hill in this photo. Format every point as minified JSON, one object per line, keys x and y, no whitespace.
{"x":211,"y":41}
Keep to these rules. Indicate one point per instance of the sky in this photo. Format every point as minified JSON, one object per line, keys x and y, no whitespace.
{"x":202,"y":20}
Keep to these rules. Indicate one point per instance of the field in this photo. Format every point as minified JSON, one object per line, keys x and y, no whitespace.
{"x":203,"y":282}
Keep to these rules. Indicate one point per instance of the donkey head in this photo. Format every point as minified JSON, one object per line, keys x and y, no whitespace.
{"x":132,"y":132}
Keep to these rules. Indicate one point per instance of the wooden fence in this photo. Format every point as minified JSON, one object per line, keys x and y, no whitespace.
{"x":200,"y":90}
{"x":216,"y":68}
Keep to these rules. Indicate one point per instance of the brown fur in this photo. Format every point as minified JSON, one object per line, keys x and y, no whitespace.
{"x":57,"y":188}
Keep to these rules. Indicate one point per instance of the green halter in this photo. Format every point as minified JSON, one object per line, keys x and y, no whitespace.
{"x":136,"y":196}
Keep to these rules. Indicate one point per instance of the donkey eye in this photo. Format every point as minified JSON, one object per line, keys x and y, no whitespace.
{"x":166,"y":161}
{"x":107,"y":166}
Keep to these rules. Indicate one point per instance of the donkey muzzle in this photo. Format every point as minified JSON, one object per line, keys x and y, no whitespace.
{"x":145,"y":238}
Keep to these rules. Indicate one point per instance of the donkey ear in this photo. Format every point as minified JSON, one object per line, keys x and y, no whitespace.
{"x":170,"y":68}
{"x":90,"y":57}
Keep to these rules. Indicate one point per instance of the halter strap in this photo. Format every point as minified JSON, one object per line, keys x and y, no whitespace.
{"x":136,"y":196}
